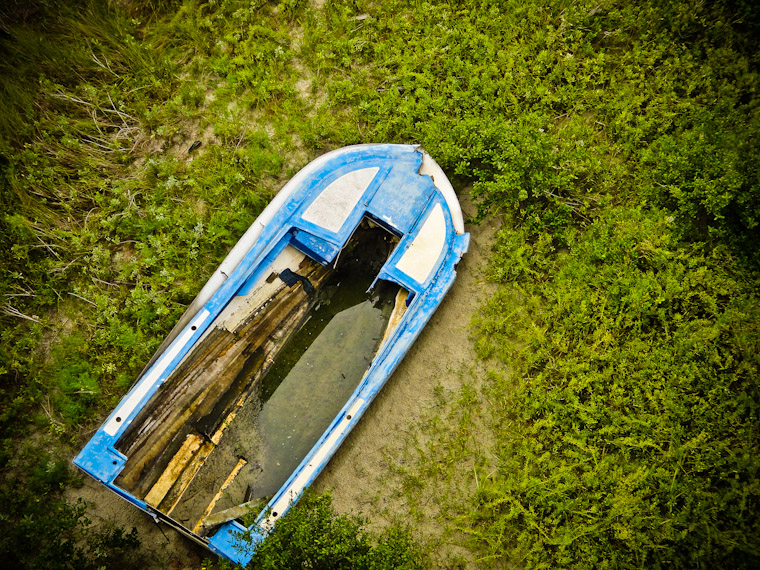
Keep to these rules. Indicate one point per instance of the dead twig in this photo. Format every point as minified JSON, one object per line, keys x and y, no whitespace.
{"x":11,"y":311}
{"x":82,"y":298}
{"x":47,"y":407}
{"x":106,"y":65}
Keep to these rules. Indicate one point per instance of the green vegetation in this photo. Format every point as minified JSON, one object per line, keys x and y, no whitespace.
{"x":312,"y":536}
{"x":616,"y":143}
{"x":39,"y":529}
{"x":632,"y":440}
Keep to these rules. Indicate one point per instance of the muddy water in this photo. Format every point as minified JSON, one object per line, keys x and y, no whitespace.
{"x":308,"y":385}
{"x":315,"y":390}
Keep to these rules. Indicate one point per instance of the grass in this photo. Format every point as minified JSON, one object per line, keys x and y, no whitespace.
{"x":314,"y":537}
{"x":617,"y":141}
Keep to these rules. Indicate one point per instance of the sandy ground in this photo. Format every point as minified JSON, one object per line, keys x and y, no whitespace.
{"x":161,"y":546}
{"x":363,"y":476}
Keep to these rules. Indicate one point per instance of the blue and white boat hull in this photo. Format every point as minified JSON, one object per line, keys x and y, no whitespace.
{"x":397,"y":187}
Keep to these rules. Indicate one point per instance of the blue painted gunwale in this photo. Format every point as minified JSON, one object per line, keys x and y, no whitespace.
{"x":399,"y":198}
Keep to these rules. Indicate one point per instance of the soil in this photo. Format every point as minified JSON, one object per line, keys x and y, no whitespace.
{"x":161,"y":546}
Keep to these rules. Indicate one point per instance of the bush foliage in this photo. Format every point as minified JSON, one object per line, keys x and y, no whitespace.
{"x":39,"y":529}
{"x":312,"y":535}
{"x":632,"y":441}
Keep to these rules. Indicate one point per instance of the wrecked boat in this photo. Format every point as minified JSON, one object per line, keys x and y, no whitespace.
{"x":285,"y":347}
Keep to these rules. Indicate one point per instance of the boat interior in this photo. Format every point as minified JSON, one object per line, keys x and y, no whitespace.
{"x":247,"y":403}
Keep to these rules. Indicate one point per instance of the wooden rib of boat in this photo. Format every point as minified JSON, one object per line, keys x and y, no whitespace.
{"x":285,"y":347}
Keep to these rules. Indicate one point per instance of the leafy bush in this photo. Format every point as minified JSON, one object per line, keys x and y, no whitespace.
{"x":39,"y":529}
{"x":708,"y":176}
{"x":312,"y":535}
{"x":632,"y":441}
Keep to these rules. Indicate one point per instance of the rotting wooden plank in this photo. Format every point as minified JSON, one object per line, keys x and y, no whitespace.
{"x":175,"y":497}
{"x":138,"y":462}
{"x":175,"y":468}
{"x":181,"y":460}
{"x":230,"y":478}
{"x":175,"y":388}
{"x":211,"y":521}
{"x":184,"y":478}
{"x":399,"y":308}
{"x":183,"y":482}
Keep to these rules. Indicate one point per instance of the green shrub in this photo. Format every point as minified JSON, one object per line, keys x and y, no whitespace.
{"x":39,"y":529}
{"x":708,"y":176}
{"x":312,"y":535}
{"x":631,"y":441}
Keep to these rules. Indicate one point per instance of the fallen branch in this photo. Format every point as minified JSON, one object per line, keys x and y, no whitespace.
{"x":12,"y":311}
{"x":82,"y":298}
